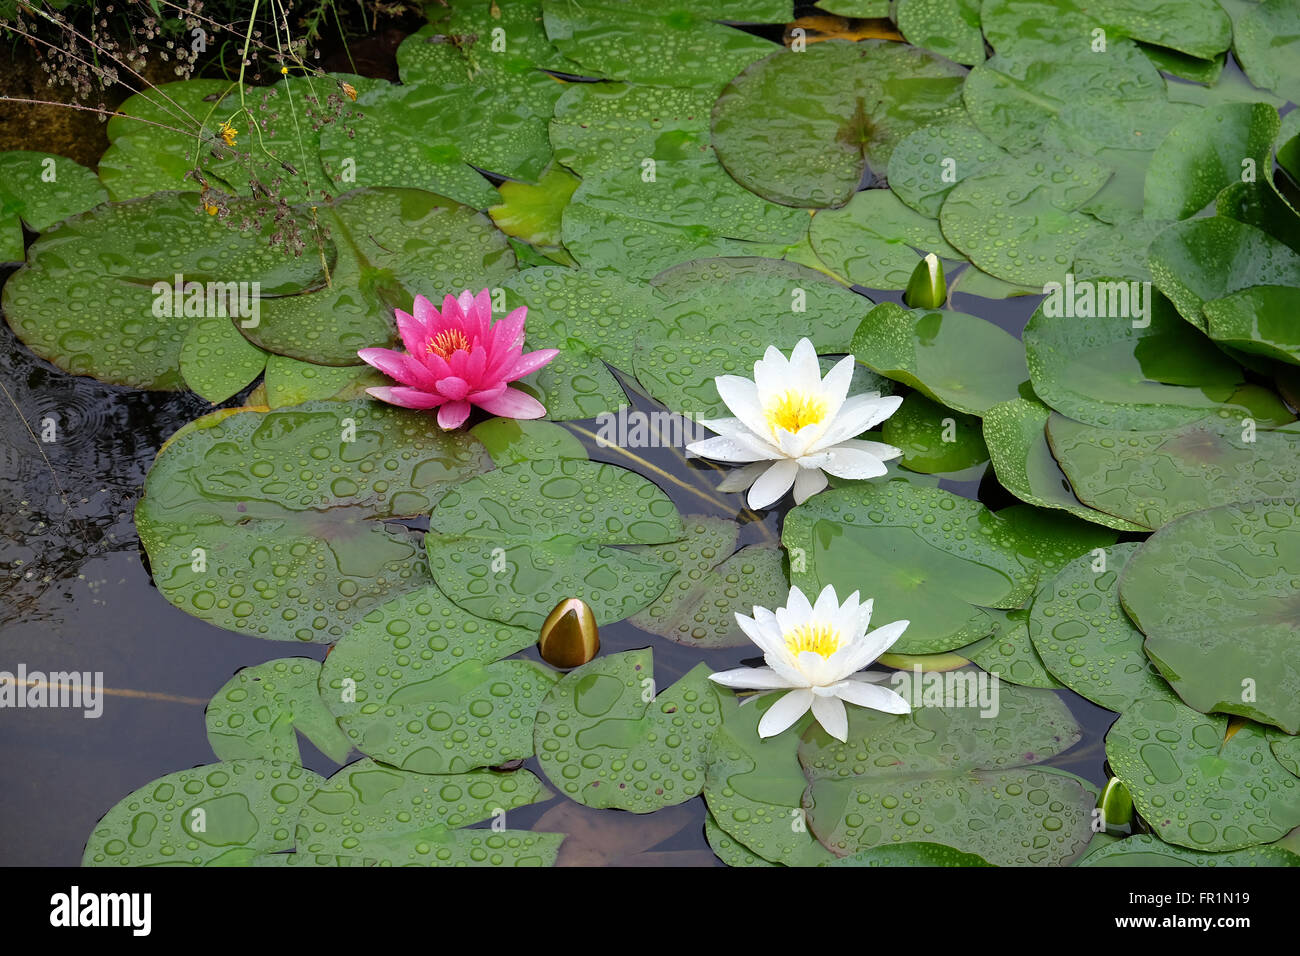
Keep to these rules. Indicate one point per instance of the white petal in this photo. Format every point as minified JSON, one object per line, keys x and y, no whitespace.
{"x":845,"y":462}
{"x":798,"y":605}
{"x":807,"y":483}
{"x":835,"y":386}
{"x":872,"y":696}
{"x":773,"y":483}
{"x":738,"y":479}
{"x":867,"y":648}
{"x":830,"y":713}
{"x":828,"y":604}
{"x":805,"y":371}
{"x":751,"y":678}
{"x":877,"y":448}
{"x":857,"y":415}
{"x":785,"y":712}
{"x":725,"y":449}
{"x":741,"y":396}
{"x":766,"y":639}
{"x":771,"y":373}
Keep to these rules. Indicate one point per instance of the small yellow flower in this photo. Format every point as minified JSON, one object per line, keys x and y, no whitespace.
{"x":284,"y":71}
{"x":228,"y":133}
{"x":350,"y":90}
{"x":212,"y":210}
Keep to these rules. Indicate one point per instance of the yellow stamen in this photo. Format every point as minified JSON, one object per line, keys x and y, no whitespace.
{"x":228,"y":134}
{"x":821,"y":639}
{"x":447,"y":342}
{"x":350,"y":90}
{"x":793,"y":410}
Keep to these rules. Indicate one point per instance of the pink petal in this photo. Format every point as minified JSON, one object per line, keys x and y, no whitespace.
{"x":406,"y":397}
{"x":509,"y":331}
{"x":530,"y":363}
{"x":513,"y":403}
{"x":475,"y":365}
{"x":453,"y":388}
{"x":479,"y":313}
{"x":485,"y":394}
{"x":453,"y":317}
{"x":425,"y":313}
{"x":412,"y":331}
{"x":453,"y":415}
{"x":398,"y":366}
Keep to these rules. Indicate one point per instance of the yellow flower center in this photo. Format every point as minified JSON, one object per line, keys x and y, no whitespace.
{"x":448,"y":341}
{"x":821,"y":639}
{"x":793,"y":410}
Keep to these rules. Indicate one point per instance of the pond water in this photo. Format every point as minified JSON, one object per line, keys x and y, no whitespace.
{"x":77,"y":595}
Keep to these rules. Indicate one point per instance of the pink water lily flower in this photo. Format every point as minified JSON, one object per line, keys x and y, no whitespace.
{"x":457,"y":358}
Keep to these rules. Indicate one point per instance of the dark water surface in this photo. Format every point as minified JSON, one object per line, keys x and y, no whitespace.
{"x":75,"y":595}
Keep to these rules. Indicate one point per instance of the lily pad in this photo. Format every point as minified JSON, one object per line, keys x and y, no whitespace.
{"x":1198,"y":785}
{"x":1009,"y":653}
{"x":927,"y":163}
{"x":713,"y":581}
{"x":876,"y":241}
{"x":599,"y":126}
{"x":1206,"y":152}
{"x":1019,"y":219}
{"x":222,"y":814}
{"x":729,"y":850}
{"x":419,"y":684}
{"x":86,"y":301}
{"x":1147,"y":850}
{"x":256,"y":713}
{"x":902,"y":779}
{"x":533,"y":213}
{"x":513,"y":543}
{"x":291,"y":382}
{"x":287,"y":512}
{"x":1198,"y":260}
{"x":216,"y":361}
{"x":924,"y":555}
{"x":802,"y":128}
{"x":933,"y":438}
{"x":1260,"y":320}
{"x":1196,"y":27}
{"x":949,"y":28}
{"x":394,"y":817}
{"x":1153,"y":476}
{"x":1266,"y":40}
{"x":607,"y":738}
{"x":754,"y":788}
{"x":911,"y":854}
{"x":1114,"y":369}
{"x":40,"y":189}
{"x":510,"y":441}
{"x":1214,"y":596}
{"x":675,"y":43}
{"x":958,"y":360}
{"x":1086,"y":640}
{"x":1015,"y":432}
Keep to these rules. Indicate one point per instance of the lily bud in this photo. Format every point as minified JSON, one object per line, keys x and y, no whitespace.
{"x":927,"y":289}
{"x":1116,"y":804}
{"x":569,"y":636}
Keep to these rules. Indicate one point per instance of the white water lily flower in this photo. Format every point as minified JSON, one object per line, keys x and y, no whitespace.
{"x":816,"y":652}
{"x":792,"y":427}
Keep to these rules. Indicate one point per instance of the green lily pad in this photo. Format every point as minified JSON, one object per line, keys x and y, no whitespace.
{"x":607,"y":738}
{"x":445,"y":247}
{"x":512,"y":33}
{"x":670,"y":44}
{"x":256,"y":713}
{"x":1193,"y":68}
{"x":729,"y":850}
{"x":86,"y":301}
{"x":1085,"y":639}
{"x":533,"y":213}
{"x":1171,"y":472}
{"x":1050,"y":539}
{"x":1198,"y":260}
{"x":801,"y":128}
{"x":418,"y":684}
{"x":1260,"y":320}
{"x":600,"y":126}
{"x":876,"y":241}
{"x":1206,"y":152}
{"x":1015,"y":433}
{"x":949,"y":28}
{"x":1116,"y":370}
{"x":289,"y":509}
{"x":911,"y":854}
{"x":1117,"y":253}
{"x":927,"y":163}
{"x":291,"y":382}
{"x":713,"y":581}
{"x":924,"y":555}
{"x":901,"y":779}
{"x":220,"y":814}
{"x":1198,"y":28}
{"x":754,"y":788}
{"x":1147,"y":850}
{"x":511,"y":544}
{"x":216,"y":361}
{"x":1009,"y":653}
{"x":958,"y":360}
{"x":40,"y":189}
{"x":722,"y":316}
{"x":1019,"y":219}
{"x":510,"y":441}
{"x":1214,"y":596}
{"x":933,"y":438}
{"x":395,"y":817}
{"x":619,"y":223}
{"x":1196,"y":784}
{"x":1266,"y":40}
